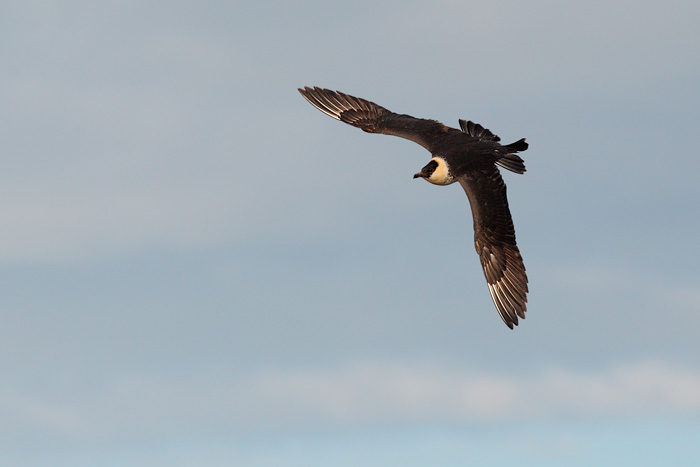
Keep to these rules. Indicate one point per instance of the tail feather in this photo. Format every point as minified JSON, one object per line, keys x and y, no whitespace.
{"x":518,"y":146}
{"x":512,"y":161}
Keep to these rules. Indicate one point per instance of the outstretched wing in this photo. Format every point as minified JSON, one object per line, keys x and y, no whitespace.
{"x":494,"y":238}
{"x":374,"y":118}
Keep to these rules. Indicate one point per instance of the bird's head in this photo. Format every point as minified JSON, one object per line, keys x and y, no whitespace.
{"x":437,"y":172}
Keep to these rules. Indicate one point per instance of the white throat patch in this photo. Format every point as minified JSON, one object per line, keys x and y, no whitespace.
{"x":441,"y":175}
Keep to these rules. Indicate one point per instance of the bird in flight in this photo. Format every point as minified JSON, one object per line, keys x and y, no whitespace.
{"x":469,"y":156}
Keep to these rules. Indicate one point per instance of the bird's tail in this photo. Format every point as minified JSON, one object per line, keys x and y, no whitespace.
{"x":512,"y":161}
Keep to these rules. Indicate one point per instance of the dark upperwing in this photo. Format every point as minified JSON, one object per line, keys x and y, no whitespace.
{"x":494,"y":239}
{"x":374,"y":118}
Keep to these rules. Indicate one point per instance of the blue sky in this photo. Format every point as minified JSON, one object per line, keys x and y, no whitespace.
{"x":199,"y":267}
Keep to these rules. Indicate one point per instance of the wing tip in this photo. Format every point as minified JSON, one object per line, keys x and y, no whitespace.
{"x":477,"y":131}
{"x":510,"y":301}
{"x":322,"y":99}
{"x":511,"y":320}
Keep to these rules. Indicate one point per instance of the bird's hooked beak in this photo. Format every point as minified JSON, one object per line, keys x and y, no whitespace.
{"x":427,"y":171}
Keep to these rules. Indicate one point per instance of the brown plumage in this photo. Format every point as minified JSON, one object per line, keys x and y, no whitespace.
{"x":468,"y":156}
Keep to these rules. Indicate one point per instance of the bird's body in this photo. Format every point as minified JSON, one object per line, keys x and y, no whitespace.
{"x":468,"y":156}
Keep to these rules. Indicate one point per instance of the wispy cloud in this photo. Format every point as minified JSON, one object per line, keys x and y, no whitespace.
{"x":362,"y":394}
{"x":376,"y":392}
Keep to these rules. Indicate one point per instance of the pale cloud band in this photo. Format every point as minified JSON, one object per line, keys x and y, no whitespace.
{"x":366,"y":394}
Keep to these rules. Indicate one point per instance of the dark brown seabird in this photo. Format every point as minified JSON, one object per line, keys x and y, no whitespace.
{"x":468,"y":156}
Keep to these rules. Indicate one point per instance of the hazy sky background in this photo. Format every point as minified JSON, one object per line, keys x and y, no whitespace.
{"x":199,"y":268}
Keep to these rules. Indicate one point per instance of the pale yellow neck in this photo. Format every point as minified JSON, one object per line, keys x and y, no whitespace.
{"x":441,"y":175}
